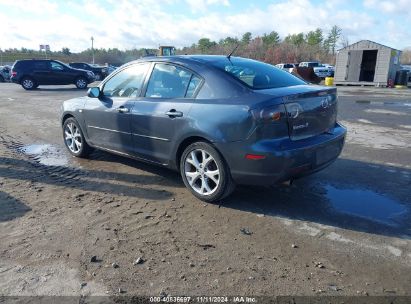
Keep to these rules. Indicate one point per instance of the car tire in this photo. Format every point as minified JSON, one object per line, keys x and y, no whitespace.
{"x":28,"y":83}
{"x":2,"y":79}
{"x":205,"y":172}
{"x":74,"y":138}
{"x":81,"y":83}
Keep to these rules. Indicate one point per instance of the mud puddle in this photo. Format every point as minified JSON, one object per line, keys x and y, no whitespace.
{"x":46,"y":154}
{"x":366,"y":204}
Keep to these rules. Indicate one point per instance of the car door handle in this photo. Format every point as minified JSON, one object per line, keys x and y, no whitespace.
{"x":122,"y":109}
{"x":173,"y":113}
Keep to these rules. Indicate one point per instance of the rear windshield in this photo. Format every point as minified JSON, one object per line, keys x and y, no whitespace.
{"x":256,"y":74}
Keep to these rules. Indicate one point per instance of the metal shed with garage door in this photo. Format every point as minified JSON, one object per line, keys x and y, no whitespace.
{"x":366,"y":63}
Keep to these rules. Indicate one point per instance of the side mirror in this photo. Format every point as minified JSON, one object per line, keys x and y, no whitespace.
{"x":94,"y":92}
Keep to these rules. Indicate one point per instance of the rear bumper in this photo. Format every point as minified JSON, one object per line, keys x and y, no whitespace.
{"x":284,"y":159}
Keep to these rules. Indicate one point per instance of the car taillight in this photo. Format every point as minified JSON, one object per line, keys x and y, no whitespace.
{"x":13,"y":74}
{"x":269,"y":114}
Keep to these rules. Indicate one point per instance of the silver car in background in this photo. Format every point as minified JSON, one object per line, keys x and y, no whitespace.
{"x":5,"y":73}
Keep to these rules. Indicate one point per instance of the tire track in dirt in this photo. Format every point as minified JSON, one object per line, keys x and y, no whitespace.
{"x":13,"y":153}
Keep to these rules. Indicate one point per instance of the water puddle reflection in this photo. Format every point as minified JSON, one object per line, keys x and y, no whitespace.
{"x":366,"y":204}
{"x":46,"y":154}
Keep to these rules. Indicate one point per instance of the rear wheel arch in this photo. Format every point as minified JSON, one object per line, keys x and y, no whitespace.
{"x":24,"y":76}
{"x":211,"y":167}
{"x":28,"y":83}
{"x":185,"y":143}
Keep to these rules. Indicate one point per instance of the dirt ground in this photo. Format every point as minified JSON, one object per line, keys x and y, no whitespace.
{"x":109,"y":225}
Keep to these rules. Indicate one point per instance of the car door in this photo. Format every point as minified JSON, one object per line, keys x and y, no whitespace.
{"x":41,"y":71}
{"x":60,"y":74}
{"x":162,"y":111}
{"x":107,"y":118}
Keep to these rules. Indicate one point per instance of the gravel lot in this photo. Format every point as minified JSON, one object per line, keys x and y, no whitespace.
{"x":111,"y":225}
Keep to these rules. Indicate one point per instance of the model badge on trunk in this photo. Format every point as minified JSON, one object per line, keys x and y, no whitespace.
{"x":300,"y":126}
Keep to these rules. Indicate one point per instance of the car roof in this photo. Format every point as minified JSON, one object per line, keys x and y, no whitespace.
{"x":35,"y":59}
{"x":204,"y":59}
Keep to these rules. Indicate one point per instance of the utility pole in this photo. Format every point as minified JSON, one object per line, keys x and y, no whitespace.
{"x":92,"y":47}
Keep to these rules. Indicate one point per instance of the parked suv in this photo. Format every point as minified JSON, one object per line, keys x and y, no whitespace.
{"x":100,"y":72}
{"x":31,"y":73}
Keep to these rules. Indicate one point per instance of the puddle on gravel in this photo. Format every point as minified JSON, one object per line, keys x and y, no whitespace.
{"x":46,"y":154}
{"x":366,"y":204}
{"x":384,"y":103}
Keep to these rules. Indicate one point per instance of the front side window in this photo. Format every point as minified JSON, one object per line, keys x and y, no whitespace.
{"x":127,"y":83}
{"x":256,"y":74}
{"x":169,"y":81}
{"x":56,"y":66}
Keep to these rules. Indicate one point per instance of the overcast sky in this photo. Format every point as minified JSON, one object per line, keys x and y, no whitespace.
{"x":148,"y":23}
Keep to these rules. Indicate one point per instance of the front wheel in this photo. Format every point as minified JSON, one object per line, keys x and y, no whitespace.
{"x":205,"y":172}
{"x":81,"y":83}
{"x":74,"y":138}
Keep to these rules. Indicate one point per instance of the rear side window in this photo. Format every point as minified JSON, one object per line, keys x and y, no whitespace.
{"x":193,"y":86}
{"x":126,"y":83}
{"x":256,"y":74}
{"x":170,"y":81}
{"x":41,"y":65}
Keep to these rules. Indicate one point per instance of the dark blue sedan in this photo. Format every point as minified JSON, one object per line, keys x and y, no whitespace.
{"x":219,"y":120}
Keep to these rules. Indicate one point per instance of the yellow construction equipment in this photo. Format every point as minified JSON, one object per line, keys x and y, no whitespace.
{"x":166,"y":50}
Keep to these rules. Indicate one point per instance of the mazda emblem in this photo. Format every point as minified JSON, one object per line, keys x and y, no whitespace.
{"x":325,"y":103}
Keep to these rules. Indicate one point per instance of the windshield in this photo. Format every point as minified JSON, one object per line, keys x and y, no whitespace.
{"x":256,"y":74}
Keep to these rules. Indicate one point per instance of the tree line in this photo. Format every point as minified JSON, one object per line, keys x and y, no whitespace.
{"x":270,"y":47}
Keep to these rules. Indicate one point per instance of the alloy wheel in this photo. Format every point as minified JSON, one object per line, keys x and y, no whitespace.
{"x":202,"y":172}
{"x":81,"y":83}
{"x":73,"y":137}
{"x":28,"y":83}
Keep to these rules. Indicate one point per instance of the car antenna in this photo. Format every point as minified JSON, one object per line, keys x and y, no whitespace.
{"x":235,"y":48}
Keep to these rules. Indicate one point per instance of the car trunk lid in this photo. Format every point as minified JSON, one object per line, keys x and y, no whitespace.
{"x":311,"y":113}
